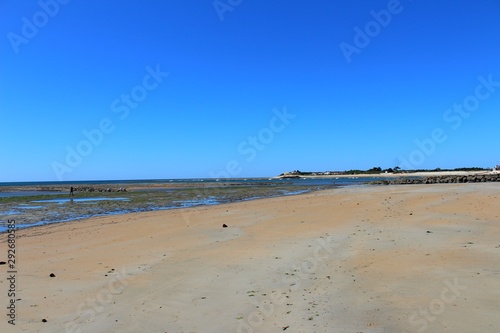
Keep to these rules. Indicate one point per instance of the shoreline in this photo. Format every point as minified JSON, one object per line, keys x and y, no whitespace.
{"x":364,"y":259}
{"x":392,"y":175}
{"x":64,"y":209}
{"x":86,"y":192}
{"x":207,"y":182}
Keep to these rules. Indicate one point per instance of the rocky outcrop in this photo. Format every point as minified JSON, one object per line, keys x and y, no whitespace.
{"x":495,"y":177}
{"x":98,"y":189}
{"x":289,"y":176}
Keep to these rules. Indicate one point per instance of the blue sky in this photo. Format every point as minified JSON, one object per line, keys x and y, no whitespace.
{"x":188,"y":89}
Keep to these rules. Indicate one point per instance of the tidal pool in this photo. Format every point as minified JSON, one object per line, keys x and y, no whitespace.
{"x":65,"y":200}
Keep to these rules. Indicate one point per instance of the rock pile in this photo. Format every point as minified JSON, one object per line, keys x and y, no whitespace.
{"x":462,"y":179}
{"x":97,"y":189}
{"x":441,"y":180}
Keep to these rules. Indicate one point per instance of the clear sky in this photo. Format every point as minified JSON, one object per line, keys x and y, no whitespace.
{"x":126,"y":89}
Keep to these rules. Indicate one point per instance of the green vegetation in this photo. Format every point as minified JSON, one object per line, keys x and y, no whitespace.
{"x":375,"y":171}
{"x":456,"y":169}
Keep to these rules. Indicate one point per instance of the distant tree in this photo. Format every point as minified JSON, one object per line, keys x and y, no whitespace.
{"x":397,"y":169}
{"x":353,"y":172}
{"x":374,"y":170}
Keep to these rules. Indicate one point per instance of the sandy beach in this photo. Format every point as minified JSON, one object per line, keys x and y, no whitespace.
{"x":420,"y":258}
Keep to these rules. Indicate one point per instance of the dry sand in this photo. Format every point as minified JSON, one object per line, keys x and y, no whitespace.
{"x":420,"y":258}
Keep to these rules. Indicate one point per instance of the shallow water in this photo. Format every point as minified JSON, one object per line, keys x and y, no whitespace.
{"x":28,"y":193}
{"x":25,"y":206}
{"x":198,"y":202}
{"x":48,"y":208}
{"x":66,"y":200}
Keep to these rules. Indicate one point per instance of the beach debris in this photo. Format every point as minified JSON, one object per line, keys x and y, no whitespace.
{"x":224,"y":225}
{"x":52,"y":275}
{"x":2,"y":262}
{"x":44,"y":320}
{"x":285,"y":328}
{"x":429,"y":232}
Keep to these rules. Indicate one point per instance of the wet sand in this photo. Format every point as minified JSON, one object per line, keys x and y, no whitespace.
{"x":419,"y":258}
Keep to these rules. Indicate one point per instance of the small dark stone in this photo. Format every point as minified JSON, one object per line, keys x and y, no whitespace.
{"x":2,"y":262}
{"x":429,"y":232}
{"x":52,"y":275}
{"x":44,"y":320}
{"x":224,"y":225}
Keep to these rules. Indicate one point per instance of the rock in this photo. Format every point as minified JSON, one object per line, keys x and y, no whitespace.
{"x":52,"y":275}
{"x":2,"y":262}
{"x":224,"y":225}
{"x":44,"y":320}
{"x":440,"y":180}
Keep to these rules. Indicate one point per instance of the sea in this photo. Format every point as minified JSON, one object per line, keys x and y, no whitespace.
{"x":24,"y":186}
{"x":57,"y":206}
